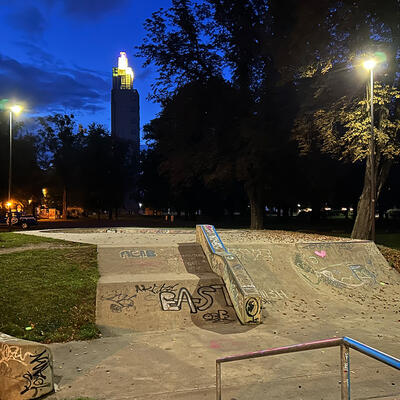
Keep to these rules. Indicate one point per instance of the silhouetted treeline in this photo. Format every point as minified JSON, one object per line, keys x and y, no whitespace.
{"x":77,"y":166}
{"x":248,"y":89}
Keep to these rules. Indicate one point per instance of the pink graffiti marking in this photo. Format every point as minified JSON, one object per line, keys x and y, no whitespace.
{"x":321,"y":253}
{"x":215,"y":345}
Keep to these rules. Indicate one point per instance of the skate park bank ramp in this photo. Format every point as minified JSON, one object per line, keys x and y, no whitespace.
{"x":160,"y":287}
{"x":305,"y":277}
{"x":150,"y":288}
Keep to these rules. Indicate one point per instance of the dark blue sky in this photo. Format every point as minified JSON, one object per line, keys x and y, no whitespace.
{"x":57,"y":55}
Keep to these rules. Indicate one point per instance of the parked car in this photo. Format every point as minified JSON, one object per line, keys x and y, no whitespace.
{"x":18,"y":219}
{"x":393,"y":213}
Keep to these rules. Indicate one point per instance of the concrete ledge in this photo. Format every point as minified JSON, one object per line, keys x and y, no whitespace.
{"x":162,"y":301}
{"x":26,"y":369}
{"x":244,"y":295}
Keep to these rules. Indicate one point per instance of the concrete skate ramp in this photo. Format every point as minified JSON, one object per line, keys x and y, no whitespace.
{"x":158,"y":288}
{"x":350,"y":270}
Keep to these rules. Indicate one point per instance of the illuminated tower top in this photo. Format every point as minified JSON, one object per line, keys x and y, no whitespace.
{"x":123,"y":74}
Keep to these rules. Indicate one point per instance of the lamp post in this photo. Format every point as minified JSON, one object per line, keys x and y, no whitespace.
{"x":15,"y":109}
{"x":370,"y":65}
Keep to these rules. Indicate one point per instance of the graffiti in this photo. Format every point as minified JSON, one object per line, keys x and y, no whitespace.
{"x":164,"y":231}
{"x":155,"y":289}
{"x":213,"y":239}
{"x":171,"y":302}
{"x":334,"y":245}
{"x":120,"y":301}
{"x":36,"y":379}
{"x":252,"y":308}
{"x":321,"y":253}
{"x":272,"y":295}
{"x":248,"y":255}
{"x":12,"y":353}
{"x":242,"y":276}
{"x":363,"y":274}
{"x":341,"y":276}
{"x":219,"y":316}
{"x":168,"y":302}
{"x":137,"y":253}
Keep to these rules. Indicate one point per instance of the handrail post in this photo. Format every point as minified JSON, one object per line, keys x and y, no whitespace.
{"x":218,"y":377}
{"x":345,"y":371}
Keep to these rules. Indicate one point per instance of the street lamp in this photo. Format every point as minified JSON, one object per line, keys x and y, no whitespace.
{"x":15,"y":109}
{"x":370,"y":65}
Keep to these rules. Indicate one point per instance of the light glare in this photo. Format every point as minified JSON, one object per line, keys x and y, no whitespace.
{"x":369,"y":64}
{"x":16,"y":109}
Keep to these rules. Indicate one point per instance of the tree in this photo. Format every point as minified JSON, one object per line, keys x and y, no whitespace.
{"x":343,"y":130}
{"x":334,"y":104}
{"x":27,"y":176}
{"x":239,"y":46}
{"x":60,"y":150}
{"x":193,"y":140}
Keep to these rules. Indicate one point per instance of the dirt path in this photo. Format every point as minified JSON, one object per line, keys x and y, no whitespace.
{"x":38,"y":246}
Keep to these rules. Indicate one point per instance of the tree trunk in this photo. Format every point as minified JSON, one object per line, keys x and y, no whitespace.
{"x":362,"y":228}
{"x":256,"y":207}
{"x":316,"y":205}
{"x":64,"y":205}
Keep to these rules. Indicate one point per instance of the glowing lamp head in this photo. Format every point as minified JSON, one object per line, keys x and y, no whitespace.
{"x":16,"y":109}
{"x":9,"y":204}
{"x":369,"y":64}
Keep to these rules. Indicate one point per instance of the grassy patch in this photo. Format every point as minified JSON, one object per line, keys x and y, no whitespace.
{"x":49,"y":295}
{"x":9,"y":239}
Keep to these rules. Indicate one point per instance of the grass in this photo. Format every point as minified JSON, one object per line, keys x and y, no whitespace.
{"x":49,"y":295}
{"x":391,"y":240}
{"x":9,"y":239}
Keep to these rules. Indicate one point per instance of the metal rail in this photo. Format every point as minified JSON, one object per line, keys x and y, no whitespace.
{"x":345,"y":344}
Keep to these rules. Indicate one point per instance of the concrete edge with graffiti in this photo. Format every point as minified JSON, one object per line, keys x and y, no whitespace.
{"x":26,"y":369}
{"x":244,"y":295}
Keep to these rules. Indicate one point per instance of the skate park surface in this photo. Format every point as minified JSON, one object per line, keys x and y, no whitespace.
{"x":312,"y":287}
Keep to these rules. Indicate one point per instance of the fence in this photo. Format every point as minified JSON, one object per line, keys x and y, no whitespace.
{"x":345,"y":344}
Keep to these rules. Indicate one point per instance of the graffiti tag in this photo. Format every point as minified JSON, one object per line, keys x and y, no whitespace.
{"x":12,"y":353}
{"x":36,"y":379}
{"x":120,"y":301}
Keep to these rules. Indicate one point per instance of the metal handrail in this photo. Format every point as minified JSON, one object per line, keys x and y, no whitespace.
{"x":345,"y":344}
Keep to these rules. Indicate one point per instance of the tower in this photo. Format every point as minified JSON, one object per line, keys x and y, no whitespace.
{"x":125,"y":121}
{"x":124,"y":104}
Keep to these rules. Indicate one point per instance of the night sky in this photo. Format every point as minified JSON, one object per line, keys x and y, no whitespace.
{"x":58,"y":55}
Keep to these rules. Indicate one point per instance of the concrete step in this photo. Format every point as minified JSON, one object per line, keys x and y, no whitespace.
{"x":147,"y":302}
{"x":159,"y":288}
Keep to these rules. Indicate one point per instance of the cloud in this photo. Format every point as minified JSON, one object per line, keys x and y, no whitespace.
{"x":36,"y":53}
{"x":29,"y":20}
{"x":52,"y":89}
{"x":91,"y":9}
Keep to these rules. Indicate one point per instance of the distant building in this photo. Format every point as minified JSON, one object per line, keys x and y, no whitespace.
{"x":125,"y":123}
